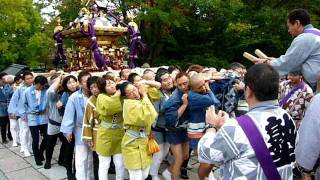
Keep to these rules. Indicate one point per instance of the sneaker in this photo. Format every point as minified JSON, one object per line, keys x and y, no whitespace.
{"x":112,"y":170}
{"x":70,"y":175}
{"x":26,"y":153}
{"x":30,"y":150}
{"x":22,"y":150}
{"x":166,"y":174}
{"x":184,"y":173}
{"x":14,"y":144}
{"x":61,"y":163}
{"x":47,"y":165}
{"x":39,"y":163}
{"x":211,"y":176}
{"x":126,"y":174}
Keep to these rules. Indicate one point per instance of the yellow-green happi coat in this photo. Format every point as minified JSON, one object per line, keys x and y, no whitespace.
{"x":110,"y":112}
{"x":137,"y":114}
{"x":90,"y":122}
{"x":153,"y":94}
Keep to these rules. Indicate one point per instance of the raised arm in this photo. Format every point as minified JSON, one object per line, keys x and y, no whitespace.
{"x":296,"y":55}
{"x":153,"y":83}
{"x":56,"y":83}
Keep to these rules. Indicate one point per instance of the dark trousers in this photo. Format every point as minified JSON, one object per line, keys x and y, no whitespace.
{"x":95,"y":165}
{"x":4,"y":122}
{"x":36,"y":131}
{"x":68,"y":155}
{"x":52,"y":140}
{"x":9,"y":132}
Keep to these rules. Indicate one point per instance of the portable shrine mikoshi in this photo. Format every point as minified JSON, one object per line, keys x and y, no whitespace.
{"x":94,"y":36}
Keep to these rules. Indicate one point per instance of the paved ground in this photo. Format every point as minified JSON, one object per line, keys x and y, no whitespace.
{"x":14,"y":166}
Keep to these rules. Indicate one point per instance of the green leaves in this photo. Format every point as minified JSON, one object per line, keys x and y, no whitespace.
{"x":39,"y":49}
{"x":207,"y":32}
{"x":19,"y":21}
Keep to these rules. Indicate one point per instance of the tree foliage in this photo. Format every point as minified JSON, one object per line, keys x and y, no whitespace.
{"x":207,"y":32}
{"x":214,"y":32}
{"x":22,"y":39}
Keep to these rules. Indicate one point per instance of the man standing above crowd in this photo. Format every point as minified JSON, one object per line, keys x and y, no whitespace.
{"x":304,"y":52}
{"x":259,"y":145}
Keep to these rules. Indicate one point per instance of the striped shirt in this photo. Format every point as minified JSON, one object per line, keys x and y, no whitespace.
{"x":230,"y":148}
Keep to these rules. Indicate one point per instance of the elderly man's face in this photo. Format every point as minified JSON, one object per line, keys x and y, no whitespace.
{"x":294,"y":28}
{"x":200,"y":87}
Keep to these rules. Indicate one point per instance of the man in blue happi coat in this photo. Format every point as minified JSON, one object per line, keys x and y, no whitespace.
{"x":16,"y":109}
{"x":35,"y":103}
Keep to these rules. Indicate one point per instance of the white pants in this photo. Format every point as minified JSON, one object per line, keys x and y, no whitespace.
{"x":104,"y":164}
{"x":25,"y":135}
{"x":14,"y":129}
{"x":158,"y":158}
{"x":84,"y":162}
{"x":140,"y":174}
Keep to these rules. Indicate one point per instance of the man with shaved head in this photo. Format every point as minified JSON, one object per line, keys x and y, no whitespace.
{"x":200,"y":98}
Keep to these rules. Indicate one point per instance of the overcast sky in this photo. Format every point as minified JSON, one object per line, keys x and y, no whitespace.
{"x":50,"y":9}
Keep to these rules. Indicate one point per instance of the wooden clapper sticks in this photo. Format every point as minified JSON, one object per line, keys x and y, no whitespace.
{"x":253,"y":58}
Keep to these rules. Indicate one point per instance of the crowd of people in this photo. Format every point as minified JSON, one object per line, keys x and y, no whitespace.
{"x":241,"y":121}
